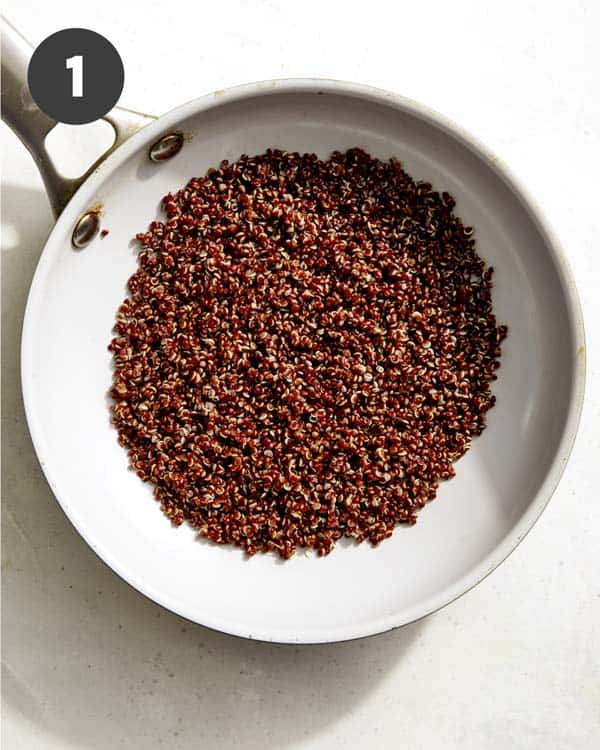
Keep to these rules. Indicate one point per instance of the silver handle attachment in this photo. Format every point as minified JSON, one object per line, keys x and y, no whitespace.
{"x":32,"y":125}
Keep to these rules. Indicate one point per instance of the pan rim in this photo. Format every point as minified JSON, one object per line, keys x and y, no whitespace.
{"x":538,"y":501}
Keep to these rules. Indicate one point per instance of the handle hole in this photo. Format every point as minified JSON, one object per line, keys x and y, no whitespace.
{"x":74,"y":148}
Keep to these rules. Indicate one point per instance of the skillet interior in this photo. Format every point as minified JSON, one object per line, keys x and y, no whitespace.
{"x":502,"y":484}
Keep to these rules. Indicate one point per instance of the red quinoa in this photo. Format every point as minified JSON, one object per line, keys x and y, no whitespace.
{"x":306,"y":349}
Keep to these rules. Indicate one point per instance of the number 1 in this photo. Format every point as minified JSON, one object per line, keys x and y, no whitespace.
{"x":76,"y":65}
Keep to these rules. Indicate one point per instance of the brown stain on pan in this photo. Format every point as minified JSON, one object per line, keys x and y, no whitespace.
{"x":580,"y":356}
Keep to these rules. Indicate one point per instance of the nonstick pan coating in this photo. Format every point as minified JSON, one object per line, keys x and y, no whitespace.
{"x":502,"y":484}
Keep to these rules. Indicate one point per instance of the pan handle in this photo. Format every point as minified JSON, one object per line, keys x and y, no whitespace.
{"x":32,"y":125}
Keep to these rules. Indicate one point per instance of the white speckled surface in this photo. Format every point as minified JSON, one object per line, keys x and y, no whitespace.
{"x":88,"y":662}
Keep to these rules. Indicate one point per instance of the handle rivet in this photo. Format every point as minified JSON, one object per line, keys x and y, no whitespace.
{"x":85,"y":230}
{"x":166,"y":147}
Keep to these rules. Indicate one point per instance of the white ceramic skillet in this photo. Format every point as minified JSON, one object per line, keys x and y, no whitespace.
{"x":479,"y":517}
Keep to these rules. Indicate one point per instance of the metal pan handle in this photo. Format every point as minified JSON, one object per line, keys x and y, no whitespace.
{"x":32,"y":125}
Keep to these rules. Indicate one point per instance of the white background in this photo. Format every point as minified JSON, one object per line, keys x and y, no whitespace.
{"x":90,"y":663}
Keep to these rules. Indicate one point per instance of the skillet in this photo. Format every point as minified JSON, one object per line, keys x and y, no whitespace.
{"x":503,"y":483}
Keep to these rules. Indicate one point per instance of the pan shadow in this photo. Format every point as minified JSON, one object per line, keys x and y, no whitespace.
{"x":88,"y":659}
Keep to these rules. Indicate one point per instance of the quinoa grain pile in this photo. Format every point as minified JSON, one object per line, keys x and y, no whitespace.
{"x":306,"y":349}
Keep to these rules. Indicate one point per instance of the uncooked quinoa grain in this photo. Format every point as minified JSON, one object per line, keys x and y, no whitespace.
{"x":306,"y":349}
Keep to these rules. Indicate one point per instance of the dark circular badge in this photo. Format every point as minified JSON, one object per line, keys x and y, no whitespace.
{"x":76,"y":76}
